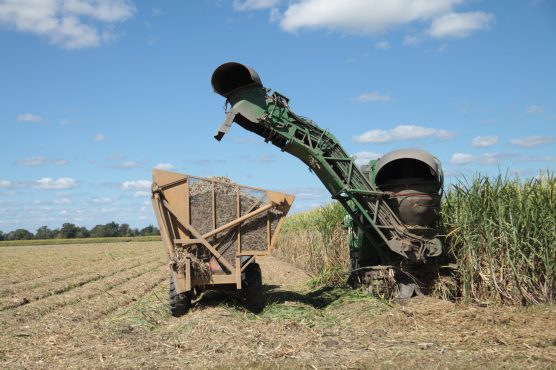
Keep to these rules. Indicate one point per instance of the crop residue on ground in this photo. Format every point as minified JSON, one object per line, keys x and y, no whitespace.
{"x":104,"y":306}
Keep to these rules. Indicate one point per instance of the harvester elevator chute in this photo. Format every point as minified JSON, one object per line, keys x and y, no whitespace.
{"x":378,"y":211}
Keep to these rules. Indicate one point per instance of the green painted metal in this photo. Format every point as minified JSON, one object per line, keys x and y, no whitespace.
{"x":380,"y":237}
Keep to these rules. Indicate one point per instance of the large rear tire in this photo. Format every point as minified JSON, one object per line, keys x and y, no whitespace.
{"x":178,"y":304}
{"x":252,"y":288}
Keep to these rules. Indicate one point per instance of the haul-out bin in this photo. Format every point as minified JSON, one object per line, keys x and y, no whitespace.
{"x":213,"y":230}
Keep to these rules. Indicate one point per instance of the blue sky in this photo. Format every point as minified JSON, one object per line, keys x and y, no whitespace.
{"x":94,"y":94}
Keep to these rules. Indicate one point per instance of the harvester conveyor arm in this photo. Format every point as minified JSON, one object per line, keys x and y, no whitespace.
{"x":268,"y":115}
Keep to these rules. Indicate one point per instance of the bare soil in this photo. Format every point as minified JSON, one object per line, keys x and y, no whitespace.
{"x":104,"y":306}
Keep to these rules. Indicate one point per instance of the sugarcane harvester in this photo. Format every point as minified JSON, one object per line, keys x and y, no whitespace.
{"x":392,"y":203}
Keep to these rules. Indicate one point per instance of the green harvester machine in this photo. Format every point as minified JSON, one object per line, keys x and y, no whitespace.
{"x":393,"y":203}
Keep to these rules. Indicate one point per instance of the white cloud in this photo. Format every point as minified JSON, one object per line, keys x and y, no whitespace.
{"x":247,"y":5}
{"x":119,"y":162}
{"x":126,"y":165}
{"x":34,"y":161}
{"x":66,"y":122}
{"x":99,"y":137}
{"x":382,"y":45}
{"x":66,"y":23}
{"x":461,"y":158}
{"x":459,"y":25}
{"x":365,"y":17}
{"x":535,"y":109}
{"x":264,"y":158}
{"x":62,"y":201}
{"x":101,"y":200}
{"x":535,"y":158}
{"x":531,"y":141}
{"x":141,"y":193}
{"x":275,"y":15}
{"x":164,"y":166}
{"x":364,"y":157}
{"x":26,"y":117}
{"x":372,"y":17}
{"x":372,"y":97}
{"x":40,"y":161}
{"x":413,"y":40}
{"x":487,"y":158}
{"x":136,"y":185}
{"x":5,"y":184}
{"x":206,"y":162}
{"x":402,"y":132}
{"x":484,"y":141}
{"x":49,"y":183}
{"x":308,"y":193}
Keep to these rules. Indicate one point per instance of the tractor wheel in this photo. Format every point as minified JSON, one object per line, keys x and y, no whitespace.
{"x":178,"y":304}
{"x":252,"y":288}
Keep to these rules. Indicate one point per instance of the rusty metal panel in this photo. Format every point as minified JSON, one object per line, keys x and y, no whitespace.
{"x":213,"y":228}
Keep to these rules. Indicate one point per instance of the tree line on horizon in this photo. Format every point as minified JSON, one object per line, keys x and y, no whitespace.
{"x":71,"y":231}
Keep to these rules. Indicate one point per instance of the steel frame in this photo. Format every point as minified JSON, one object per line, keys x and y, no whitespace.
{"x":170,"y":199}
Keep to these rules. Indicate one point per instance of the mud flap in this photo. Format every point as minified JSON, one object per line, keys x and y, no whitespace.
{"x":225,"y":126}
{"x":409,"y":290}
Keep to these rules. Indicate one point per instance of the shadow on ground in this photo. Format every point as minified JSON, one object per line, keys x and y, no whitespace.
{"x":318,"y":299}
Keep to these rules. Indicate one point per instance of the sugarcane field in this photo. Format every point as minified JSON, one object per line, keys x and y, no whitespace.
{"x":269,"y":184}
{"x":104,"y":306}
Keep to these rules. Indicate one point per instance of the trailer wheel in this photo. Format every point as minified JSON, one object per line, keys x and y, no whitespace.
{"x":252,"y":288}
{"x":178,"y":304}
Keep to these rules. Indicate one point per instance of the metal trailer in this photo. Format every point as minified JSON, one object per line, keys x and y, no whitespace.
{"x":213,"y":231}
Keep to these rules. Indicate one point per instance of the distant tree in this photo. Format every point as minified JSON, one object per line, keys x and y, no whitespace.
{"x":125,"y":230}
{"x":55,"y":233}
{"x":68,"y":231}
{"x":82,"y":232}
{"x":44,"y":232}
{"x":97,"y":231}
{"x":149,"y":230}
{"x":111,"y":229}
{"x":19,"y":234}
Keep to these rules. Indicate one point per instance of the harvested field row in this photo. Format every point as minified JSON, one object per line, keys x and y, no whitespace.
{"x":78,"y":269}
{"x":21,"y":295}
{"x":39,"y":308}
{"x":137,"y":288}
{"x":37,"y":261}
{"x":38,"y":275}
{"x":68,"y":332}
{"x":68,"y":274}
{"x":122,"y":322}
{"x":337,"y":329}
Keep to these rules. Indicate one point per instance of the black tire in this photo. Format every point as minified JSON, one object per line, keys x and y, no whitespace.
{"x":252,"y":288}
{"x":178,"y":304}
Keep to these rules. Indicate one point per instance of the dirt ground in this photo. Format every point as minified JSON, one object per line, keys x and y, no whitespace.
{"x":104,"y":306}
